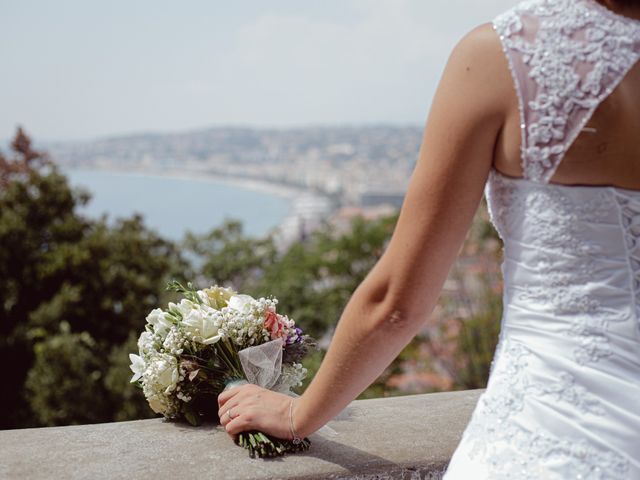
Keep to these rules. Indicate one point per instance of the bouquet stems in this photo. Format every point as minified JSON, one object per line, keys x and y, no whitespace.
{"x":262,"y":445}
{"x":265,"y":446}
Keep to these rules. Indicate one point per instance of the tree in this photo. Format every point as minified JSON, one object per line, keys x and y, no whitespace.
{"x":59,"y":268}
{"x":314,"y":278}
{"x":65,"y":385}
{"x":26,"y":159}
{"x":228,"y":257}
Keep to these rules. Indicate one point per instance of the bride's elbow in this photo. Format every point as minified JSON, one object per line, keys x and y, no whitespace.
{"x":391,"y":312}
{"x":397,"y":318}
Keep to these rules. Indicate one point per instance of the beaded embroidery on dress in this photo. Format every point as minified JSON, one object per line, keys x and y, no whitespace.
{"x":563,"y":397}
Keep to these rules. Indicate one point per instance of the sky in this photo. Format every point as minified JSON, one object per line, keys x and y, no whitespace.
{"x":83,"y":69}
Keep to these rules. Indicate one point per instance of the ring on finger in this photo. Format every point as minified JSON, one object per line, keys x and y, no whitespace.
{"x":231,"y":417}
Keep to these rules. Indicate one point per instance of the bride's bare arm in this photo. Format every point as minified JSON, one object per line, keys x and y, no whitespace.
{"x":393,"y":302}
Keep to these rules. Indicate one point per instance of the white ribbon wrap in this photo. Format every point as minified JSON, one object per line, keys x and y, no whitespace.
{"x":262,"y":366}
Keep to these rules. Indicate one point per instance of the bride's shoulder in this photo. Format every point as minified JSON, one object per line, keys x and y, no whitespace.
{"x":481,"y":40}
{"x":479,"y":56}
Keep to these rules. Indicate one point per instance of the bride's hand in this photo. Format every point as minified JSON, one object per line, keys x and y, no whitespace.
{"x":250,"y":407}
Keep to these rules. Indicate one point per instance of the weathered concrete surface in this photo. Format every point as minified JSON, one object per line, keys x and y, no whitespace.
{"x":402,"y":438}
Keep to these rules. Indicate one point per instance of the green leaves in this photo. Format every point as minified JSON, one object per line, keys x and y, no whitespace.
{"x":65,"y":383}
{"x":315,"y":278}
{"x":191,"y":416}
{"x":228,"y":257}
{"x":57,"y":266}
{"x":189,"y":292}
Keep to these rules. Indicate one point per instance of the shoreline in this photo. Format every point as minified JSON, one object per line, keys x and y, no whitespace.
{"x":304,"y":206}
{"x":273,"y":188}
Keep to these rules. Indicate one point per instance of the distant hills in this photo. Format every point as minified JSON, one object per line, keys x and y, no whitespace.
{"x":349,"y":161}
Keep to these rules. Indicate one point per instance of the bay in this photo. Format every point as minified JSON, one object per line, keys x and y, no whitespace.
{"x":173,"y":205}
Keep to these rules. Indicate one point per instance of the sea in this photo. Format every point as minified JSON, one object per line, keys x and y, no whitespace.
{"x":174,"y":205}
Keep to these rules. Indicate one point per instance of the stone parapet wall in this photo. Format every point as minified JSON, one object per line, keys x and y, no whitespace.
{"x":409,"y":437}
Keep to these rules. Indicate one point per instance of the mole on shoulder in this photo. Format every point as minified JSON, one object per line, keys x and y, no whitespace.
{"x":602,"y":147}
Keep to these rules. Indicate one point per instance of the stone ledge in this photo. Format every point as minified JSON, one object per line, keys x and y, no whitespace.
{"x":409,"y":437}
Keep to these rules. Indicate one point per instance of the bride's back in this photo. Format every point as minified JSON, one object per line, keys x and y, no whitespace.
{"x":562,"y":398}
{"x":605,"y":152}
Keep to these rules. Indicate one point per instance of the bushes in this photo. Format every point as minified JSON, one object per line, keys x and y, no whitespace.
{"x":65,"y":385}
{"x":59,"y":270}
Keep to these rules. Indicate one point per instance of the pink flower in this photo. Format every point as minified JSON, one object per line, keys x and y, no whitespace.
{"x":275,"y":324}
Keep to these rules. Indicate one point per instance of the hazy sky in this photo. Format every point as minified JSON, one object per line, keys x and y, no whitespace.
{"x":75,"y":69}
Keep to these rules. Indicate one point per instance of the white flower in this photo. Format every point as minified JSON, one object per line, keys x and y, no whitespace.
{"x":216,"y":297}
{"x":145,"y":343}
{"x":241,"y":303}
{"x":137,"y":366}
{"x":185,"y":306}
{"x":192,"y":322}
{"x":162,"y":373}
{"x":204,"y":298}
{"x":168,"y":376}
{"x":181,"y":309}
{"x":174,"y":341}
{"x":157,"y":318}
{"x":202,"y":324}
{"x":156,"y":404}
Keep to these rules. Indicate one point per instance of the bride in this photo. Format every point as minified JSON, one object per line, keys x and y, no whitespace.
{"x":559,"y":159}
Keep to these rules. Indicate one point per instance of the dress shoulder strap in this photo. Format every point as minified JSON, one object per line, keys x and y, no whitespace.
{"x":566,"y":57}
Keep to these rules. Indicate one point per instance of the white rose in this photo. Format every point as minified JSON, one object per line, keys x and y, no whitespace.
{"x":202,"y":326}
{"x":158,"y":319}
{"x":145,"y":342}
{"x":241,"y":303}
{"x":210,"y":329}
{"x":192,"y":322}
{"x":166,"y":376}
{"x":185,"y":306}
{"x":217,"y":297}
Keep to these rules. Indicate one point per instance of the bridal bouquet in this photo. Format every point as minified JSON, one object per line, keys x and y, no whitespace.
{"x":212,"y":340}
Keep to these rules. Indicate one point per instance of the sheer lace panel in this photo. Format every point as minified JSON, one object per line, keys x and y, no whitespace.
{"x":566,"y":57}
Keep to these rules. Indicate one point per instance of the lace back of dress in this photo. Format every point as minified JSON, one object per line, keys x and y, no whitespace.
{"x":566,"y":57}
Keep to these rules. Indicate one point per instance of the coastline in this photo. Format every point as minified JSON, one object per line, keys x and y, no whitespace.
{"x":306,"y":208}
{"x":270,"y":187}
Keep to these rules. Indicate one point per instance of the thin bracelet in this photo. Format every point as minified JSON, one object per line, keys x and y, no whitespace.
{"x":296,"y":439}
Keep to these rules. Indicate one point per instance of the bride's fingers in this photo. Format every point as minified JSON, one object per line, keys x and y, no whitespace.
{"x":231,"y":407}
{"x":227,"y":395}
{"x":236,"y":392}
{"x":239,"y":424}
{"x":240,"y":395}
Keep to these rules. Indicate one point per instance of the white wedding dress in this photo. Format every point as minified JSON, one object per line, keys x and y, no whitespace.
{"x":563,"y":397}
